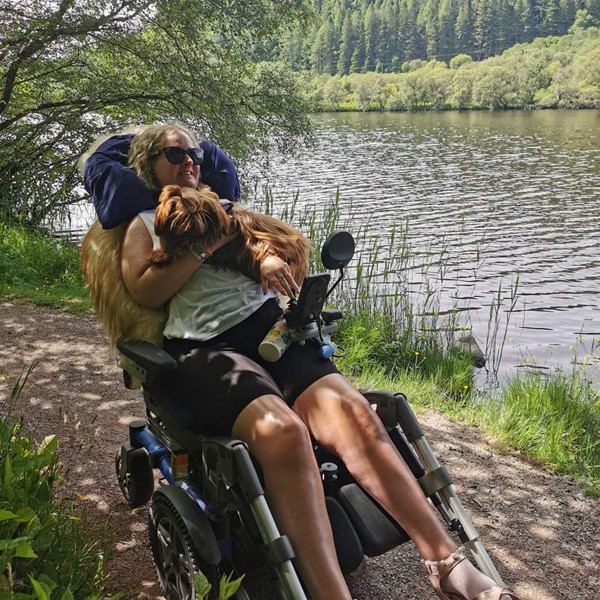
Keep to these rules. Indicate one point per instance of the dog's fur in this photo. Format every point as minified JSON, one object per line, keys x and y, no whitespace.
{"x":123,"y":319}
{"x":186,"y":217}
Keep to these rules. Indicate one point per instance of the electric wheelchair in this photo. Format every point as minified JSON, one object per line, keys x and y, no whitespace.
{"x":209,"y":512}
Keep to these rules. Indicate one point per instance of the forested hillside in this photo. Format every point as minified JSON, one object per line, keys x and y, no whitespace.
{"x":358,"y":36}
{"x":550,"y":72}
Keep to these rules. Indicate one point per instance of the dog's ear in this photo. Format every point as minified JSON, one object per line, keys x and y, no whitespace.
{"x":161,"y":216}
{"x":160,"y":258}
{"x":168,"y":204}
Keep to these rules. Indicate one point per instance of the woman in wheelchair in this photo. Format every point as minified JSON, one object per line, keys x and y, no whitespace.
{"x":276,"y":408}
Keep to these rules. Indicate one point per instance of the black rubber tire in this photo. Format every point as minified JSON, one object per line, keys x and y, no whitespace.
{"x":138,"y":484}
{"x":175,"y":556}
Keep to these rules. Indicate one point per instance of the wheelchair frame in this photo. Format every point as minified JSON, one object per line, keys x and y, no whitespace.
{"x":215,"y":491}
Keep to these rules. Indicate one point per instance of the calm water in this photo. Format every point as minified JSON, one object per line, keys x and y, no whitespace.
{"x":496,"y":197}
{"x":491,"y":197}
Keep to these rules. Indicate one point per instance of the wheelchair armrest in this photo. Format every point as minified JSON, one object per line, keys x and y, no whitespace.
{"x":331,"y":314}
{"x":148,"y":356}
{"x":144,"y":361}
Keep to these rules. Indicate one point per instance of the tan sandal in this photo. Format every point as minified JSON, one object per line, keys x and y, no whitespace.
{"x":438,"y":571}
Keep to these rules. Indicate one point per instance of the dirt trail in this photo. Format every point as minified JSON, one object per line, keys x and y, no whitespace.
{"x":542,"y":530}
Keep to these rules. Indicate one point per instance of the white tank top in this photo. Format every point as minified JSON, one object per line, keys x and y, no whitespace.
{"x":211,"y":301}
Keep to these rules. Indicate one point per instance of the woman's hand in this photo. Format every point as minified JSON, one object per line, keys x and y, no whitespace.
{"x":276,"y":273}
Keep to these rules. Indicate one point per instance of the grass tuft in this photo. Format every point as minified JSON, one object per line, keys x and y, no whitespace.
{"x":43,"y":269}
{"x":554,"y":419}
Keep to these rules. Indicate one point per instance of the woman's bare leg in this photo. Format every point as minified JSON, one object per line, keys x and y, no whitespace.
{"x":343,"y":421}
{"x":280,"y":442}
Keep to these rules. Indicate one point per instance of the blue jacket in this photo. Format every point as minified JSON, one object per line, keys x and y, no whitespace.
{"x":118,"y":194}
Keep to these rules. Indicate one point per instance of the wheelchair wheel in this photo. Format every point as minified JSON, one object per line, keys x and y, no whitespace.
{"x":176,"y":558}
{"x":135,"y":476}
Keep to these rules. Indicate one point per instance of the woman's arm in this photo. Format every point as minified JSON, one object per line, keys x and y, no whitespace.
{"x":117,"y":192}
{"x":150,"y":285}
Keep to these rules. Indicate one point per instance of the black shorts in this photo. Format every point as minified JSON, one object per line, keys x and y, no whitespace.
{"x":217,"y":379}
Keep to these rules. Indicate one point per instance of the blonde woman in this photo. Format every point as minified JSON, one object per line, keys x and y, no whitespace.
{"x":276,"y":407}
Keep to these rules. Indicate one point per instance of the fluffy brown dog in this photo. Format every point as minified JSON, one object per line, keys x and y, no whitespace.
{"x":186,"y":217}
{"x":123,"y":319}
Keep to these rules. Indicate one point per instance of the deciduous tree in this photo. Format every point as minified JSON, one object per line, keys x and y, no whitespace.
{"x":71,"y":69}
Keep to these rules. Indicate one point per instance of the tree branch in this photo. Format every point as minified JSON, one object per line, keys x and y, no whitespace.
{"x":54,"y":30}
{"x":85,"y":104}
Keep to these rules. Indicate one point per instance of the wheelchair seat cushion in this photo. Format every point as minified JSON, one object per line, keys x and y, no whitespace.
{"x":217,"y":379}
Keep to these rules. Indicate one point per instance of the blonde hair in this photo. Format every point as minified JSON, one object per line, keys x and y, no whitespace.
{"x":146,"y":142}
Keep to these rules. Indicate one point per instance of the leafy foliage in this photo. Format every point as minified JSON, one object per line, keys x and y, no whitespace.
{"x":43,"y":554}
{"x":228,"y":586}
{"x":42,"y":268}
{"x":72,"y":69}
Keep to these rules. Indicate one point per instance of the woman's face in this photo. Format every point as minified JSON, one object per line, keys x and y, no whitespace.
{"x":186,"y":174}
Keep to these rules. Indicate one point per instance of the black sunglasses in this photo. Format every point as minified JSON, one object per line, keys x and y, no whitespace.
{"x":176,"y":155}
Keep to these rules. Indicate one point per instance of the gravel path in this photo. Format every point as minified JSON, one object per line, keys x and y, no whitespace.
{"x":542,"y":530}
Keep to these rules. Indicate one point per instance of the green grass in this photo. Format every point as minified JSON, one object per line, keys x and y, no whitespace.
{"x":372,"y":343}
{"x":554,"y":419}
{"x":42,"y":269}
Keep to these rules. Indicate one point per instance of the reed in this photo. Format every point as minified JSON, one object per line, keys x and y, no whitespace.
{"x":493,"y":344}
{"x":390,"y":321}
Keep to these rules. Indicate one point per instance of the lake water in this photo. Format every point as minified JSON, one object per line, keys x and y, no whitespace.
{"x":489,"y":199}
{"x":498,"y":199}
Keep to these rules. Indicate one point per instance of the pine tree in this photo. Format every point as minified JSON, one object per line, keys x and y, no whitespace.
{"x":484,"y":29}
{"x":324,"y":50}
{"x":566,"y":14}
{"x":392,"y":41}
{"x":525,"y":11}
{"x":346,"y":46}
{"x":465,"y":28}
{"x":427,"y":22}
{"x":413,"y":38}
{"x":357,"y":62}
{"x":550,"y":23}
{"x":372,"y":38}
{"x":447,"y":40}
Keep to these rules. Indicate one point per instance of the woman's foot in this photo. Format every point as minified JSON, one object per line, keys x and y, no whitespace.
{"x":455,"y":578}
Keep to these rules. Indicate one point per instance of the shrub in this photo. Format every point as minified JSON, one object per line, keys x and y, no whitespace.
{"x":43,"y":554}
